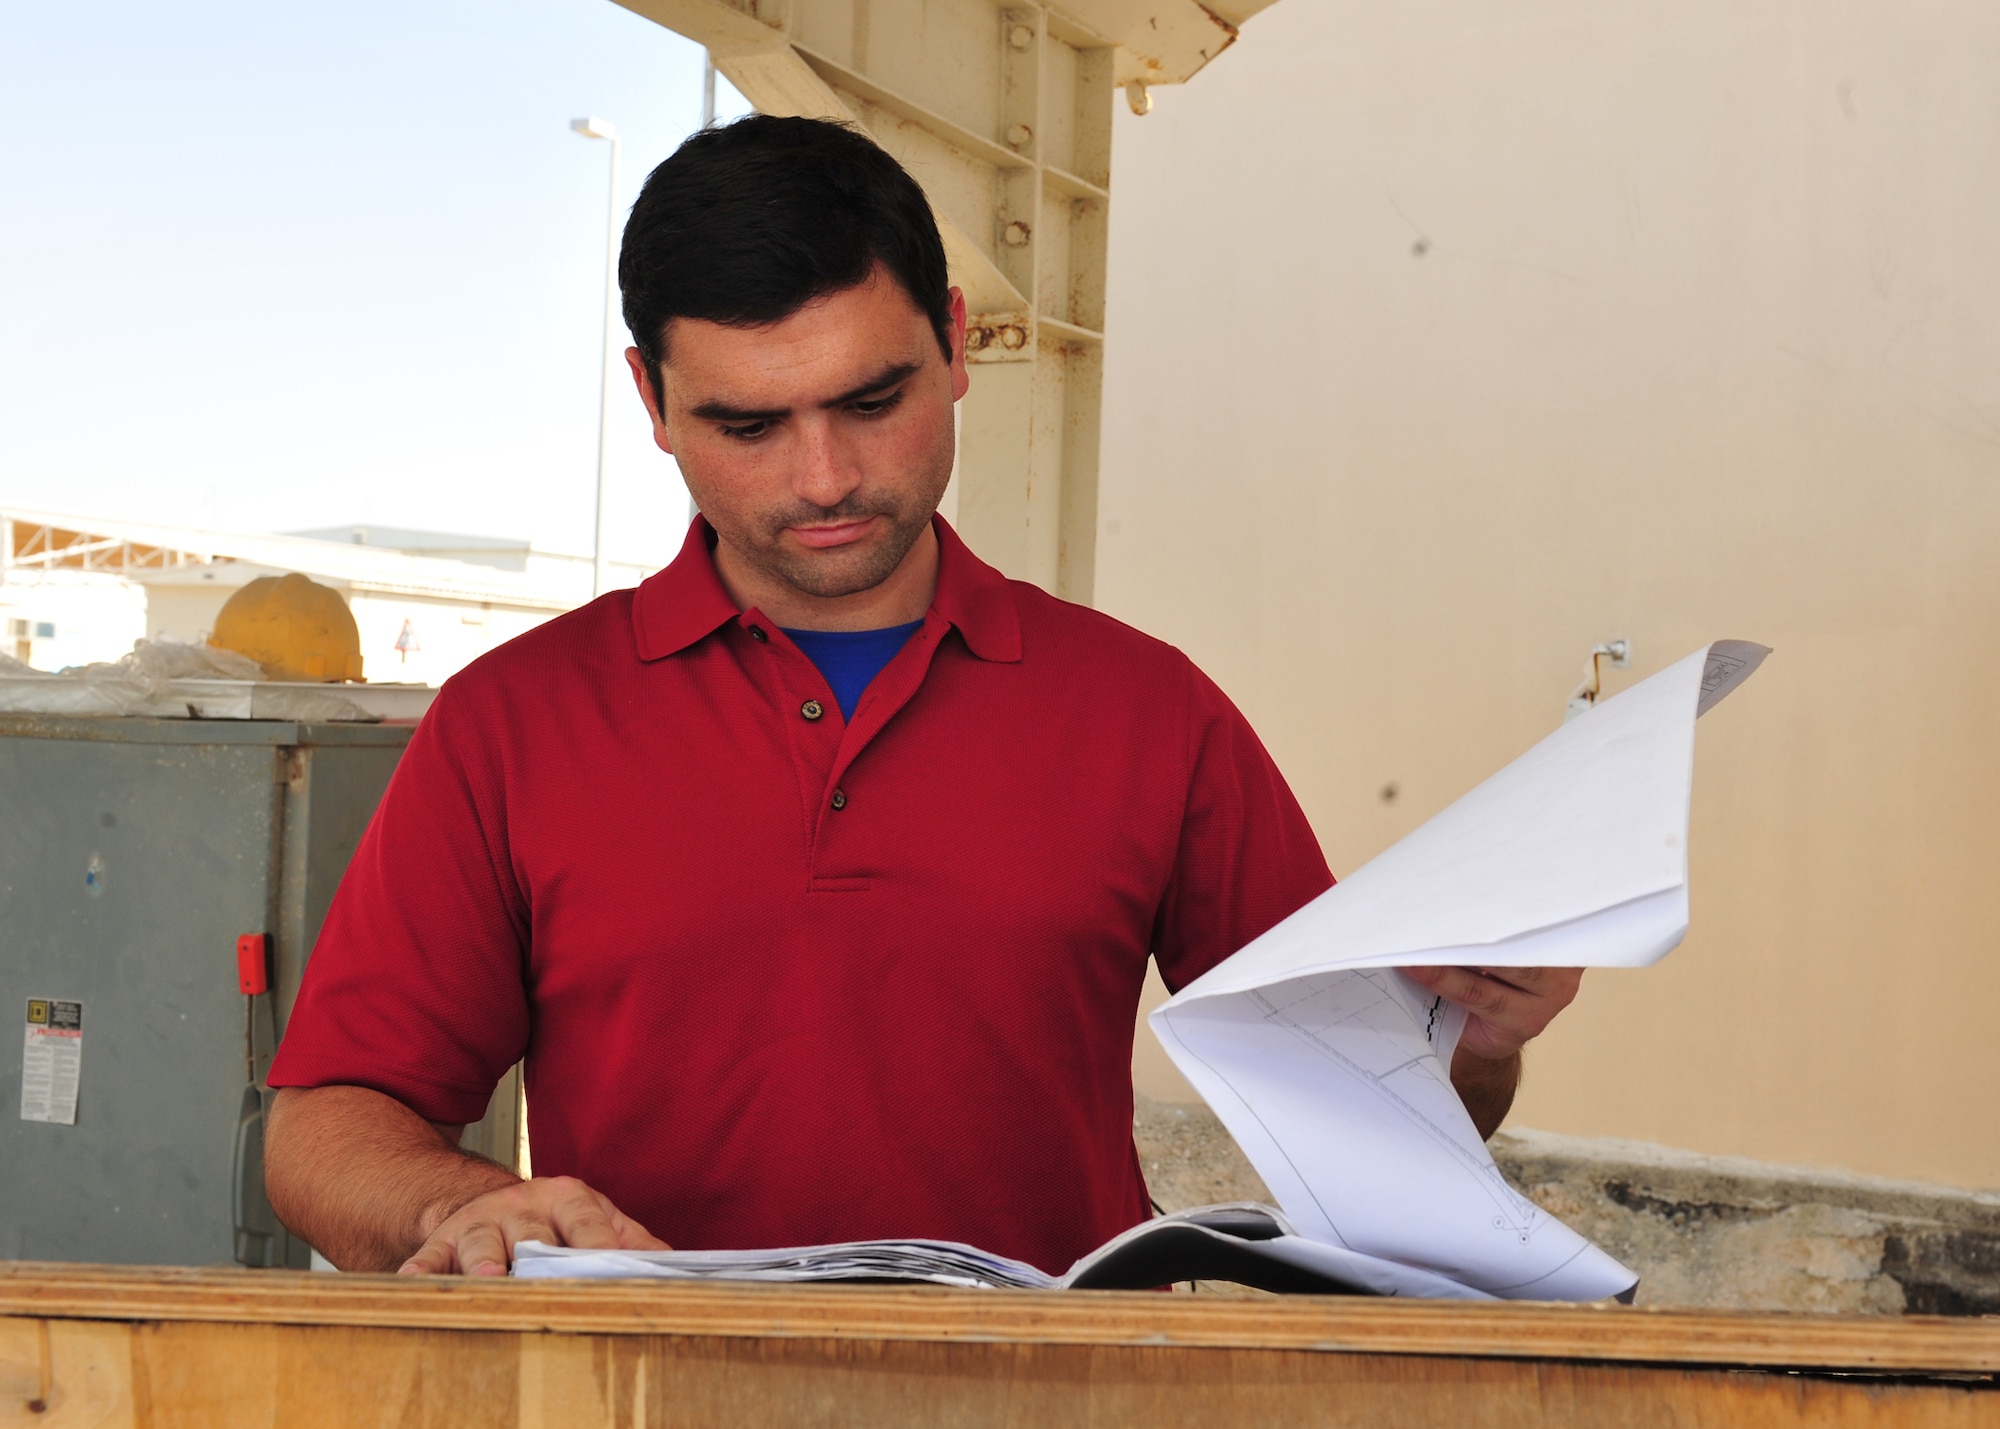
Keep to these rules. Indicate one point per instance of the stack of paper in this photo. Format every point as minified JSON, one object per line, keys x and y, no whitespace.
{"x":1253,"y":1245}
{"x":936,"y":1261}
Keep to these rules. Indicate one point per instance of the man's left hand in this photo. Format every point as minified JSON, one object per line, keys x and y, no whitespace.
{"x":1509,"y":1007}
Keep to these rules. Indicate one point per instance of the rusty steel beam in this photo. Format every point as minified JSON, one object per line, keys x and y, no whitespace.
{"x":1003,"y":113}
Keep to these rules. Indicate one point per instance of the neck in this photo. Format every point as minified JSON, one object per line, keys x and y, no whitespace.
{"x":902,"y":598}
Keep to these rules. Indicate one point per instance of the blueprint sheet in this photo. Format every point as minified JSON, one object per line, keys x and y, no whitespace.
{"x":1329,"y":1065}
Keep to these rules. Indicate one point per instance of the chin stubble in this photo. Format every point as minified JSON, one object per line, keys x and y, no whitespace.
{"x":848,"y":571}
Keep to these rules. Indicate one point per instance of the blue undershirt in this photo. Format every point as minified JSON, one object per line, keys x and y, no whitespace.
{"x":851,"y":658}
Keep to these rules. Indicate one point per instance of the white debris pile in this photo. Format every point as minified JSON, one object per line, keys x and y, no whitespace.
{"x":153,"y":663}
{"x":170,"y":678}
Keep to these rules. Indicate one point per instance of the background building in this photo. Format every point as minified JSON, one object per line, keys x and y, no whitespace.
{"x":64,"y":616}
{"x":426,"y":603}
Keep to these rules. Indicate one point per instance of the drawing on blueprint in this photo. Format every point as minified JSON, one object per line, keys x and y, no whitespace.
{"x":1371,"y":1026}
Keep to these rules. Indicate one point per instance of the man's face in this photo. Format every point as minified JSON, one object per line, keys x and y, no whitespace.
{"x":817,"y":446}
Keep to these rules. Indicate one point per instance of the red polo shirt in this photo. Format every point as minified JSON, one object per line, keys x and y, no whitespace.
{"x":781,"y":978}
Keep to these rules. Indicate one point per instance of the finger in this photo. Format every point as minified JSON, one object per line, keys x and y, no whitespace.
{"x":1460,"y":985}
{"x":1527,"y":980}
{"x":1483,"y":996}
{"x":1523,"y":979}
{"x":624,"y":1233}
{"x":1546,"y":991}
{"x":1561,"y":984}
{"x":433,"y":1257}
{"x":632,"y":1235}
{"x":583,"y":1219}
{"x":1500,"y":1018}
{"x":482,"y":1248}
{"x":1531,"y":980}
{"x":528,"y":1224}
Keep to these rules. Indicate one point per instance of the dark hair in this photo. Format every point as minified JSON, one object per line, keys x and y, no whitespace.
{"x":746,"y":223}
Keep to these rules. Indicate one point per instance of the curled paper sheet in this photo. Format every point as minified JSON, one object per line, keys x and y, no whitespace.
{"x":1330,"y":1067}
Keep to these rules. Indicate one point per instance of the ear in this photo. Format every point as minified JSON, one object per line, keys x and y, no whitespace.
{"x":643,"y":380}
{"x":960,"y":379}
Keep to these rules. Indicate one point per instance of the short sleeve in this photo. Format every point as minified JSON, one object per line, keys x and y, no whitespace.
{"x":415,"y":987}
{"x":1247,"y":857}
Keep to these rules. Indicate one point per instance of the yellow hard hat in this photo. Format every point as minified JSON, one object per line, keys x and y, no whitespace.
{"x":296,"y":628}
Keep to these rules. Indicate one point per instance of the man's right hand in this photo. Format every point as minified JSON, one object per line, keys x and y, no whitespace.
{"x":479,"y":1237}
{"x":373,"y":1186}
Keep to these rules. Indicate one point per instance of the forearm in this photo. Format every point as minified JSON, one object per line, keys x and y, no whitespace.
{"x":362,"y":1178}
{"x":1486,"y":1085}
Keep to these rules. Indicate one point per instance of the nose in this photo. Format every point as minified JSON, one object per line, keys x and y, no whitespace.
{"x":826,"y":473}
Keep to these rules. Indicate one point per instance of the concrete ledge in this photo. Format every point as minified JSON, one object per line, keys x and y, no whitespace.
{"x":1704,"y":1232}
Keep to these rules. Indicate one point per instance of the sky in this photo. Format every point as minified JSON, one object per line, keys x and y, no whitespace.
{"x":268,"y":267}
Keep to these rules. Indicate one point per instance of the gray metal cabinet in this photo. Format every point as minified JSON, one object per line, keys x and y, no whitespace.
{"x":133,"y":854}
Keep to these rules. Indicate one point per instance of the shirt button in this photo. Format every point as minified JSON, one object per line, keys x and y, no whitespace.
{"x":757,"y":634}
{"x":839,"y":799}
{"x":812,"y":709}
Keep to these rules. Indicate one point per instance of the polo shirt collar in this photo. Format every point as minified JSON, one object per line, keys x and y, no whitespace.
{"x":676,"y":607}
{"x":976,"y":599}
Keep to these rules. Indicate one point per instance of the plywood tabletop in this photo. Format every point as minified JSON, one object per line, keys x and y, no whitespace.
{"x":1609,"y":1333}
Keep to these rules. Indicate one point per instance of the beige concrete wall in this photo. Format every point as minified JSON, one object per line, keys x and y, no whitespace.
{"x":1448,"y":339}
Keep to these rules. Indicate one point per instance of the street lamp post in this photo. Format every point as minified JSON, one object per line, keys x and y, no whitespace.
{"x":707,"y":118}
{"x":594,"y":128}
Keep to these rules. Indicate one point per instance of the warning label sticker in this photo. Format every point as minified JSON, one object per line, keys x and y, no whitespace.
{"x":53,"y":1061}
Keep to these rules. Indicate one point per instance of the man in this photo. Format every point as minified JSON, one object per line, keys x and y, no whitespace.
{"x":817,"y":878}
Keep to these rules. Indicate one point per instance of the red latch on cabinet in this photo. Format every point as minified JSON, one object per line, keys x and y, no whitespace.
{"x":253,"y":963}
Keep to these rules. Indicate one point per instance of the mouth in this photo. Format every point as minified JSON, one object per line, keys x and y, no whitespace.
{"x":843,"y":533}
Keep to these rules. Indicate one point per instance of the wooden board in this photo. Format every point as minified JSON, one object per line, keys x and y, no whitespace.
{"x":1913,"y":1344}
{"x":158,"y":1349}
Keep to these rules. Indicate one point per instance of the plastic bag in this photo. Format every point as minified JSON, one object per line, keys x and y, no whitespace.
{"x":153,"y":663}
{"x":174,"y":680}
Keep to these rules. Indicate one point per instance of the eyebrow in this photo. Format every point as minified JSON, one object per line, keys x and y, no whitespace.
{"x":718,"y":411}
